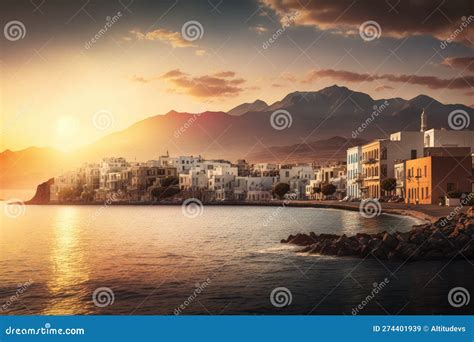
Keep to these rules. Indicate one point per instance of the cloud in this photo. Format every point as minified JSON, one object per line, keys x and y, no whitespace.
{"x":141,"y":79}
{"x":200,"y":52}
{"x":222,"y":84}
{"x":259,"y":29}
{"x":464,"y":63}
{"x":225,"y":74}
{"x":398,"y":19}
{"x":383,"y":87}
{"x":172,"y":38}
{"x":173,"y":73}
{"x":431,"y":82}
{"x":277,"y":85}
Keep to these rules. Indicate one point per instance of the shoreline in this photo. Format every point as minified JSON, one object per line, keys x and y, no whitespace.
{"x":419,"y":213}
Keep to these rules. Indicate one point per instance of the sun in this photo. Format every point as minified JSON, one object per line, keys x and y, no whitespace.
{"x":66,"y":127}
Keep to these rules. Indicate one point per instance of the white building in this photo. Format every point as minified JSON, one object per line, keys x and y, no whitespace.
{"x":448,"y":138}
{"x":354,"y":171}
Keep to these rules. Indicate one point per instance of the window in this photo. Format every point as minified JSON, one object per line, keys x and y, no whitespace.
{"x":426,"y":169}
{"x":413,"y":154}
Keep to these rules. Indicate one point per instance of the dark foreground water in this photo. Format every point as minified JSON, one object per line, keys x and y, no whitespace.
{"x":155,"y":260}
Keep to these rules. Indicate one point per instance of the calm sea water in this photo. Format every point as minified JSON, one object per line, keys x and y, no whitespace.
{"x":154,"y":258}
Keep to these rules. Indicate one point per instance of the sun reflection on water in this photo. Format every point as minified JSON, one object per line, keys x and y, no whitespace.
{"x":69,"y":267}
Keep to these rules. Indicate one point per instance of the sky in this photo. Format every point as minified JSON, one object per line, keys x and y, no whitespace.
{"x":74,"y":71}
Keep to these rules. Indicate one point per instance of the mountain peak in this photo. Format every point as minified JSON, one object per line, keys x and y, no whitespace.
{"x":256,"y":106}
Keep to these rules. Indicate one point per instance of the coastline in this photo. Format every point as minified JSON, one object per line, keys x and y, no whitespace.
{"x":425,"y":213}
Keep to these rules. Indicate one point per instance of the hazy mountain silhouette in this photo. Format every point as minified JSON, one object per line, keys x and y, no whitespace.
{"x":243,"y":132}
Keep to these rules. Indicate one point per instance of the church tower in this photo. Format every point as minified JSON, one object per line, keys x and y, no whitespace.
{"x":424,"y":124}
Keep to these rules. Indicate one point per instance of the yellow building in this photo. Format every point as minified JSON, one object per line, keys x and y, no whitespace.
{"x":371,"y":166}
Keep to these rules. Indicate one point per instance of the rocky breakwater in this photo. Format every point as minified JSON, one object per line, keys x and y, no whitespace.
{"x":444,"y":239}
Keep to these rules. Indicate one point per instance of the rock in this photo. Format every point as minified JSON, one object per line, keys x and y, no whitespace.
{"x":417,"y":238}
{"x":390,"y":240}
{"x":42,"y":194}
{"x":445,"y":239}
{"x":404,"y":237}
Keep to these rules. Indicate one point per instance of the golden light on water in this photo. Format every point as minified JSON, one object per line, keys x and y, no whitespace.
{"x":68,"y":265}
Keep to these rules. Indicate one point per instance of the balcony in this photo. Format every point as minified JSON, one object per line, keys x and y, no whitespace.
{"x":370,"y":161}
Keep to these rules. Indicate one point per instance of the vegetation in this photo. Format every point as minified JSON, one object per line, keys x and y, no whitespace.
{"x":389,"y":184}
{"x":454,"y":194}
{"x":328,"y":189}
{"x":281,"y":189}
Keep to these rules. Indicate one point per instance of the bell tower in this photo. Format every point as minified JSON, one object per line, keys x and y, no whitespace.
{"x":424,"y":125}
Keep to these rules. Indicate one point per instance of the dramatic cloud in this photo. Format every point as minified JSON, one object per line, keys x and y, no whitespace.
{"x":223,"y":84}
{"x":463,"y":63}
{"x":438,"y":18}
{"x":173,"y":38}
{"x":383,"y":87}
{"x":431,"y":82}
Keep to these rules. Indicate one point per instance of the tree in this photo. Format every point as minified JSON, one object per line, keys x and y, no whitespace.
{"x":389,"y":184}
{"x":87,"y":196}
{"x":328,"y":189}
{"x":281,"y":189}
{"x":316,"y":190}
{"x":169,"y":181}
{"x":66,"y":195}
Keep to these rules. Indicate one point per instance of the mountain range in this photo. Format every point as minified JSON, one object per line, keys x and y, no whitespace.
{"x":320,"y":128}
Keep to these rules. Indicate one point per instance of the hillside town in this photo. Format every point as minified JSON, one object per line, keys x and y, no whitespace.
{"x":429,"y":166}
